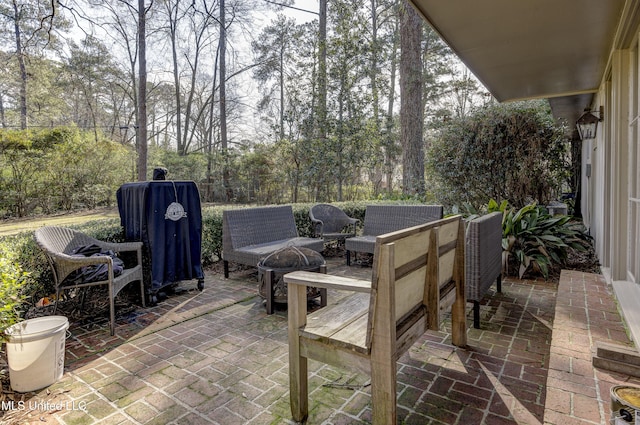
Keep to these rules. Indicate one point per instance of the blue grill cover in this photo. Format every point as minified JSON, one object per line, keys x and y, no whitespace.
{"x":166,"y":216}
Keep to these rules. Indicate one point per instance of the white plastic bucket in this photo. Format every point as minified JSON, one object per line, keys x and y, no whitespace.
{"x":35,"y":352}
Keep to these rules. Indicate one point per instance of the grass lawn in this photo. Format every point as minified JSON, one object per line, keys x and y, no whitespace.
{"x":14,"y":226}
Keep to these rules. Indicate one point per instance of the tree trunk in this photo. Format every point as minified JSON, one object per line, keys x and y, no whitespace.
{"x":210,"y":193}
{"x":3,"y":121}
{"x":373,"y":71}
{"x":411,"y":115}
{"x":389,"y":140}
{"x":23,"y":68}
{"x":223,"y":110}
{"x":173,"y":24}
{"x":322,"y":73}
{"x":281,"y":82}
{"x":142,"y":93}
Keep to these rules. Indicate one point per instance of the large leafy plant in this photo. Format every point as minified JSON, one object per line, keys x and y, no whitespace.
{"x":534,"y":240}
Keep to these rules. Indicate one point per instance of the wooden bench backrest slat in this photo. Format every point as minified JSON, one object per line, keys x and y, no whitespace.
{"x":447,"y":239}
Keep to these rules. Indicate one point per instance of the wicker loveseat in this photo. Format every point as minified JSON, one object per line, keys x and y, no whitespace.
{"x":483,"y":259}
{"x":59,"y":243}
{"x":248,"y":234}
{"x":381,"y":219}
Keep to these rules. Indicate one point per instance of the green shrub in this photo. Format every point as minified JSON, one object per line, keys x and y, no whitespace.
{"x":211,"y":235}
{"x":65,"y":168}
{"x":13,"y":280}
{"x":512,"y":151}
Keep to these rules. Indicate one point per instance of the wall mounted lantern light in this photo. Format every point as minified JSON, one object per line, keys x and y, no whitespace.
{"x":588,"y":123}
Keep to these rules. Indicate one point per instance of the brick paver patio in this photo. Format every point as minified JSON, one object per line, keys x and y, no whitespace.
{"x":216,"y":357}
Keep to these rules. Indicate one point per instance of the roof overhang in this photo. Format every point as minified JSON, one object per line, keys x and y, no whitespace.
{"x":525,"y":49}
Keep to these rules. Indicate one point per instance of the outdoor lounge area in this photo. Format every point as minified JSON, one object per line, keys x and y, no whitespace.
{"x":517,"y":352}
{"x":217,"y":357}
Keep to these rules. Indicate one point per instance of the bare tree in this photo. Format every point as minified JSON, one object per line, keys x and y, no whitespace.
{"x":193,"y":38}
{"x":274,"y":51}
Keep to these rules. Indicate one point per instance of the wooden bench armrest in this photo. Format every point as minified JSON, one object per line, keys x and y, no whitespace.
{"x":327,"y":281}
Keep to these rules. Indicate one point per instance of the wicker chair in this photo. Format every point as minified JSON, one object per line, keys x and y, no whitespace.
{"x":331,"y":223}
{"x":59,"y":242}
{"x":483,"y":254}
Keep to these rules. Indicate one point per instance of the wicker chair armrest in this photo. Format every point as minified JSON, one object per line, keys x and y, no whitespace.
{"x":317,"y":226}
{"x":79,"y":260}
{"x":353,"y":222}
{"x":65,"y":264}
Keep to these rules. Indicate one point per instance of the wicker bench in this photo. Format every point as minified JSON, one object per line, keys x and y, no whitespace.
{"x":483,"y":255}
{"x":248,"y":234}
{"x":381,"y":219}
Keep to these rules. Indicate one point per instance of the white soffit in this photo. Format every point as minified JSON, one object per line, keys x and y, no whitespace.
{"x":523,"y":49}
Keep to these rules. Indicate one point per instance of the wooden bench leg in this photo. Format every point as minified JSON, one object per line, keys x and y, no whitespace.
{"x":298,"y":385}
{"x":226,"y":269}
{"x":348,"y":258}
{"x":499,"y":283}
{"x":383,"y":361}
{"x":383,"y":393}
{"x":458,"y":313}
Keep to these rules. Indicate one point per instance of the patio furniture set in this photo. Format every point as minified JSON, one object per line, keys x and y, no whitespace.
{"x":250,"y":234}
{"x":423,"y":266}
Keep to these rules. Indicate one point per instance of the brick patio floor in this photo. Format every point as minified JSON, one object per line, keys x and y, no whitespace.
{"x":216,"y":357}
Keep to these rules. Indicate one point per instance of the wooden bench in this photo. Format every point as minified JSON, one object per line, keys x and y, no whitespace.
{"x":483,"y":259}
{"x":248,"y":234}
{"x":59,"y":243}
{"x":381,"y":219}
{"x":417,"y":274}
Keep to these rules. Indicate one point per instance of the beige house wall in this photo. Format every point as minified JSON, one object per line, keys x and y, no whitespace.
{"x":613,"y":207}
